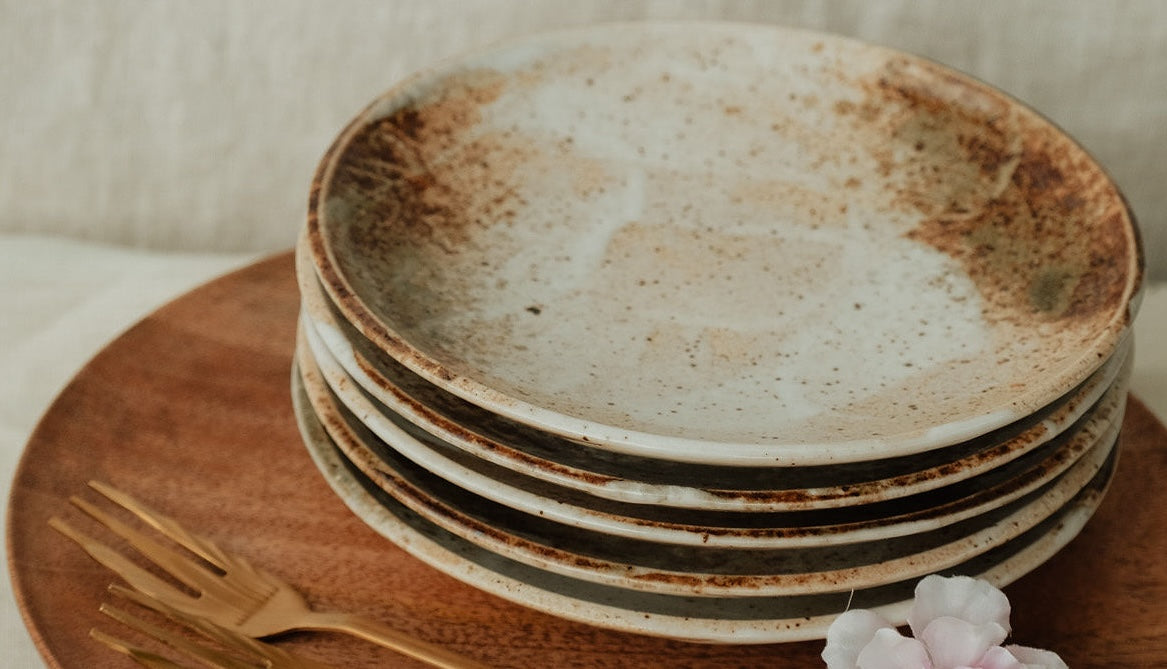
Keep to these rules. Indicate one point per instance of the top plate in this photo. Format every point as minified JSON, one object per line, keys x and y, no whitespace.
{"x":724,"y":242}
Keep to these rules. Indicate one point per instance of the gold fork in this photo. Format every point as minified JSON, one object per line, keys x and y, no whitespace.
{"x":233,"y":651}
{"x":240,"y":597}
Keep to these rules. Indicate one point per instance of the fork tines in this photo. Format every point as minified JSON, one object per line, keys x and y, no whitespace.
{"x":232,"y":580}
{"x":235,"y":650}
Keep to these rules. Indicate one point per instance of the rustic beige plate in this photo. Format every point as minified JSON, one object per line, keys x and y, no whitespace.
{"x":404,"y":396}
{"x":815,"y":561}
{"x":704,"y":619}
{"x":437,"y":471}
{"x":724,"y":243}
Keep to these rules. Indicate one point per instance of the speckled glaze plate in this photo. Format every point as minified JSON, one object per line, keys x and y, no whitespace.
{"x":795,"y":560}
{"x":409,"y":401}
{"x":725,"y":244}
{"x":701,"y":619}
{"x":441,"y":476}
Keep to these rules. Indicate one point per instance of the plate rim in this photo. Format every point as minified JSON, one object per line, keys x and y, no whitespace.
{"x":1026,"y":511}
{"x":329,"y":463}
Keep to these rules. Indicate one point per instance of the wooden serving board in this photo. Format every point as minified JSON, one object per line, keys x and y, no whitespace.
{"x":190,"y":410}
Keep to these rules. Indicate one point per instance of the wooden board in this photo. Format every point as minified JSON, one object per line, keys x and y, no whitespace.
{"x":190,"y":410}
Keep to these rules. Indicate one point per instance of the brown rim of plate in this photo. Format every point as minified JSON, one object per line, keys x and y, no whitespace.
{"x":649,"y":560}
{"x":705,"y":620}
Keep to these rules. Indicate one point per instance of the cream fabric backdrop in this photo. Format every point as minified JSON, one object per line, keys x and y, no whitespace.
{"x":196,"y":125}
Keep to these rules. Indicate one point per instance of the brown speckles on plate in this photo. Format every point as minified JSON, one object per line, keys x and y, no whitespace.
{"x":1054,"y":245}
{"x":1031,"y":218}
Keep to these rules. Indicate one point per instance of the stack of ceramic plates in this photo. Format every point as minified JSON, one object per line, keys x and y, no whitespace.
{"x":710,"y":331}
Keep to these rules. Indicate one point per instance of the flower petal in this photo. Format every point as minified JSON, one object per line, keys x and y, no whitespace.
{"x":1037,"y":658}
{"x":999,"y":658}
{"x":970,"y":599}
{"x":891,"y":650}
{"x":953,"y":642}
{"x":847,"y":636}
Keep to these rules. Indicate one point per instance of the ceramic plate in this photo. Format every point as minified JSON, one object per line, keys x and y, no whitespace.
{"x":401,"y":447}
{"x":640,"y":562}
{"x":725,"y":244}
{"x":637,"y":480}
{"x":702,"y":619}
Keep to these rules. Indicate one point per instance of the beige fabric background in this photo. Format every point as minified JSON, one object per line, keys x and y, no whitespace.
{"x":196,"y":125}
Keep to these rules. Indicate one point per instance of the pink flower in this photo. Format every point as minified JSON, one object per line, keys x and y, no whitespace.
{"x":957,"y":622}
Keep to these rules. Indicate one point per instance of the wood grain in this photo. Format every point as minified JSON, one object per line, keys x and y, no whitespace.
{"x":190,"y":410}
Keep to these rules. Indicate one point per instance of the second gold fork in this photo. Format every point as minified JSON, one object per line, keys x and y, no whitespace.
{"x":229,"y":650}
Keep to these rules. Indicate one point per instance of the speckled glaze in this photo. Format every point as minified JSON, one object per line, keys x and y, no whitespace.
{"x":625,"y":478}
{"x":430,"y":470}
{"x":700,"y":619}
{"x":723,"y":243}
{"x":764,"y":555}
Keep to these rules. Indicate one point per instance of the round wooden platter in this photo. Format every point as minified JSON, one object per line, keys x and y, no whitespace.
{"x":190,"y":411}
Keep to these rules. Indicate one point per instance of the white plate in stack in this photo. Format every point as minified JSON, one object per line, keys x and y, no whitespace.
{"x":694,"y":329}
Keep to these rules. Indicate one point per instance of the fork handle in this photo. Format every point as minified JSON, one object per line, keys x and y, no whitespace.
{"x":371,"y":630}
